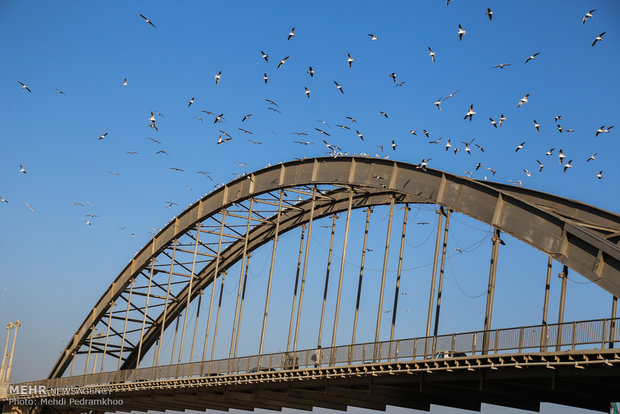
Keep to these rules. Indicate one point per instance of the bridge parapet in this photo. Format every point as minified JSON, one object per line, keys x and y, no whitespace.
{"x":552,"y":339}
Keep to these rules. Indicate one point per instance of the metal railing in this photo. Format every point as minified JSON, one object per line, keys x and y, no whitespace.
{"x":591,"y":334}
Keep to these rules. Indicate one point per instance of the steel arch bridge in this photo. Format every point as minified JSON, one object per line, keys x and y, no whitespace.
{"x":120,"y":346}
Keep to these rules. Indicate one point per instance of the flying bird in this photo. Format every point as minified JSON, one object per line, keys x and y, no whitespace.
{"x":24,"y":86}
{"x":523,"y":101}
{"x":431,"y":53}
{"x":103,"y":136}
{"x":177,"y":169}
{"x":372,"y":36}
{"x":394,"y":145}
{"x":502,"y":118}
{"x":125,"y":82}
{"x":592,"y":157}
{"x":470,"y":113}
{"x":350,"y":60}
{"x":61,"y":92}
{"x":598,"y":38}
{"x":310,"y":71}
{"x":533,"y":57}
{"x":21,"y":169}
{"x":217,"y":78}
{"x":550,"y":151}
{"x":246,"y":117}
{"x":493,"y":122}
{"x":265,"y":78}
{"x":567,"y":165}
{"x":489,"y":13}
{"x":148,"y":21}
{"x":384,"y":114}
{"x":291,"y":34}
{"x":603,"y":130}
{"x":282,"y":62}
{"x":537,"y":126}
{"x":218,"y":118}
{"x":540,"y":166}
{"x":501,"y":65}
{"x":437,"y":103}
{"x":393,"y":76}
{"x":599,"y":175}
{"x":461,"y":33}
{"x":191,"y":101}
{"x":587,"y":16}
{"x":339,"y":87}
{"x":265,"y":56}
{"x":307,"y":92}
{"x":359,"y":134}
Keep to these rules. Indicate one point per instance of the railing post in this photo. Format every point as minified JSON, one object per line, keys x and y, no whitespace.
{"x":521,"y":331}
{"x":453,"y":343}
{"x":364,"y":353}
{"x":603,"y":333}
{"x":415,"y":346}
{"x":496,"y":340}
{"x":574,"y":334}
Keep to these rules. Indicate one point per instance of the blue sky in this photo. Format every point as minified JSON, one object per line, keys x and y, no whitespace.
{"x":51,"y":259}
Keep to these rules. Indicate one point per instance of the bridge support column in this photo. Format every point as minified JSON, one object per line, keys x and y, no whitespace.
{"x":612,"y":324}
{"x":359,"y":283}
{"x":270,"y":278}
{"x":564,"y":277}
{"x":398,"y":272}
{"x":441,"y":271}
{"x":329,"y":263}
{"x":385,"y":263}
{"x":213,"y":284}
{"x":490,"y":291}
{"x":342,"y":265}
{"x":545,"y":329}
{"x":290,"y":326}
{"x":431,"y":295}
{"x":163,"y":324}
{"x":4,"y":354}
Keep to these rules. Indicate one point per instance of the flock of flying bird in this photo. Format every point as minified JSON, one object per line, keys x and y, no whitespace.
{"x":335,"y":150}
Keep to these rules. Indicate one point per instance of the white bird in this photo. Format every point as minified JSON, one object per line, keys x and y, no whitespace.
{"x":350,"y":60}
{"x":520,"y":146}
{"x":282,"y":62}
{"x":265,"y":78}
{"x":339,"y":87}
{"x":470,"y":113}
{"x":307,"y":92}
{"x":603,"y":130}
{"x":568,"y":165}
{"x":502,"y":118}
{"x":125,"y":82}
{"x":448,"y":145}
{"x":3,"y":200}
{"x":528,"y":173}
{"x":598,"y":38}
{"x":587,"y":16}
{"x":540,"y":166}
{"x":437,"y":103}
{"x":523,"y":100}
{"x":561,"y":156}
{"x":103,"y":136}
{"x":599,"y":175}
{"x":489,"y":13}
{"x":592,"y":157}
{"x":191,"y":101}
{"x":29,"y":206}
{"x":217,"y":78}
{"x":537,"y":126}
{"x":372,"y":36}
{"x":493,"y":122}
{"x":148,"y":21}
{"x":532,"y":57}
{"x":461,"y":33}
{"x":265,"y":56}
{"x":24,"y":86}
{"x":550,"y":151}
{"x":21,"y":169}
{"x":431,"y":54}
{"x":291,"y":34}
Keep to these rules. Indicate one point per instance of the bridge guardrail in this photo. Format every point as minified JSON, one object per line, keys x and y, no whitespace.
{"x":591,"y":334}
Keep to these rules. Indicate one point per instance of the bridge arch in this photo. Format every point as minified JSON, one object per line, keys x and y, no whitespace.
{"x":582,"y":237}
